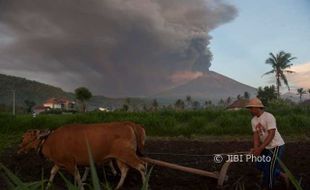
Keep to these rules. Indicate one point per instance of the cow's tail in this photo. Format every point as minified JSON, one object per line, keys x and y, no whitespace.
{"x":140,"y":136}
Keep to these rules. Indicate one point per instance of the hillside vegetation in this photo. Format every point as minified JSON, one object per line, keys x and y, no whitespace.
{"x":38,"y":92}
{"x":27,"y":90}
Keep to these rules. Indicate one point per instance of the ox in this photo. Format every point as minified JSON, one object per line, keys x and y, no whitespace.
{"x":67,"y":147}
{"x":140,"y":137}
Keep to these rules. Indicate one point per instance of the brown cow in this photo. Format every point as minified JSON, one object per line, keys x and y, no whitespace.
{"x":140,"y":136}
{"x":139,"y":133}
{"x":67,"y":147}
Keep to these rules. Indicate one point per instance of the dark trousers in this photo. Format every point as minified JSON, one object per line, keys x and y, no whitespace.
{"x":271,"y":169}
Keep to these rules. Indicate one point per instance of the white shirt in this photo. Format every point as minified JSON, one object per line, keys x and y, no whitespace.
{"x":268,"y":122}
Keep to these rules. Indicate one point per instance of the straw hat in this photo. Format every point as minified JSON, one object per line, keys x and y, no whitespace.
{"x":254,"y":103}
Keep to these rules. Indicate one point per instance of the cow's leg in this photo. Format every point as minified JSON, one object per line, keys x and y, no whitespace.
{"x":86,"y":172}
{"x":72,"y":169}
{"x":142,"y":172}
{"x":77,"y":178}
{"x":123,"y":169}
{"x":130,"y":158}
{"x":54,"y":171}
{"x":133,"y":161}
{"x":87,"y":169}
{"x":137,"y":164}
{"x":112,"y":168}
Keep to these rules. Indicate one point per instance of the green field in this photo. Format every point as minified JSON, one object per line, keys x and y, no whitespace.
{"x":292,"y":121}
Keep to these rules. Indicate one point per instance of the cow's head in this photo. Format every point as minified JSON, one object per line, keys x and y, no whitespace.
{"x":30,"y":141}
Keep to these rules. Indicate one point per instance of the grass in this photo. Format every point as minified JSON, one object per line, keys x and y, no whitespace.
{"x":212,"y":122}
{"x":291,"y":177}
{"x":292,"y":122}
{"x":17,"y":184}
{"x":8,"y":140}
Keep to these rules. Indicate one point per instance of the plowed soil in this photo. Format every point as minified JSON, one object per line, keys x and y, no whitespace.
{"x":195,"y":154}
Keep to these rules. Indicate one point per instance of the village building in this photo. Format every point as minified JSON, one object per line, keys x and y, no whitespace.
{"x":59,"y":103}
{"x":55,"y":103}
{"x":40,"y":108}
{"x":237,"y":105}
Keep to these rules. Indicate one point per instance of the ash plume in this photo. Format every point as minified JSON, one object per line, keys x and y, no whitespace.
{"x":113,"y":47}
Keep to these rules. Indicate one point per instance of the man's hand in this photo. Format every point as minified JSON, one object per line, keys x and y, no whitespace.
{"x":256,"y":151}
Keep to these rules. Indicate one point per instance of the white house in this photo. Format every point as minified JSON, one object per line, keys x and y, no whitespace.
{"x":59,"y":103}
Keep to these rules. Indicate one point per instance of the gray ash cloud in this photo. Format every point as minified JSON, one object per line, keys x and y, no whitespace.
{"x":114,"y":47}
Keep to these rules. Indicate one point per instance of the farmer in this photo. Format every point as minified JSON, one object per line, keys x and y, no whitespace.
{"x":267,"y":142}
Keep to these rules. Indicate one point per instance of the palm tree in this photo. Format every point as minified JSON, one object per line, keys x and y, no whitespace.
{"x":280,"y":63}
{"x":300,"y":92}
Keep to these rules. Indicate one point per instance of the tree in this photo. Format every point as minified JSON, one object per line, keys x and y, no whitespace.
{"x":196,"y":105}
{"x":267,"y":94}
{"x":188,"y":101}
{"x":29,"y":105}
{"x":228,"y":100}
{"x":179,"y":104}
{"x":145,"y":108}
{"x":125,"y":107}
{"x":128,"y":104}
{"x":83,"y":94}
{"x":208,"y":103}
{"x":221,"y":102}
{"x":280,"y":63}
{"x":300,"y":92}
{"x":246,"y":95}
{"x":155,"y":104}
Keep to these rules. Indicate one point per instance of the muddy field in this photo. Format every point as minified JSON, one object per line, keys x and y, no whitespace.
{"x":194,"y":154}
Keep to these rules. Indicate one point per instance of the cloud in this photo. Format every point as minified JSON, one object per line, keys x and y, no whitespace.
{"x":114,"y":47}
{"x":301,"y":77}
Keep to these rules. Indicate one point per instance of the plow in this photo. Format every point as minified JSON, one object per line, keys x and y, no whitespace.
{"x":221,"y":175}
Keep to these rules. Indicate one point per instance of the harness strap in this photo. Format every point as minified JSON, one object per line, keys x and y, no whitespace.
{"x":39,"y":147}
{"x":42,"y":137}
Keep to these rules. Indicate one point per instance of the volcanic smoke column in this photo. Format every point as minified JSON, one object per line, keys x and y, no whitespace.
{"x":113,"y":47}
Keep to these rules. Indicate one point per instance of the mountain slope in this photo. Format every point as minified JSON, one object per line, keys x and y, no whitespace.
{"x":27,"y":90}
{"x":39,"y":92}
{"x":210,"y":85}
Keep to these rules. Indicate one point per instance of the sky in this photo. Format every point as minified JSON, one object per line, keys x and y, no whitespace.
{"x":241,"y":47}
{"x":141,"y":47}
